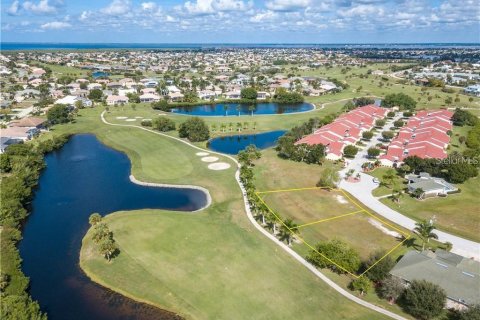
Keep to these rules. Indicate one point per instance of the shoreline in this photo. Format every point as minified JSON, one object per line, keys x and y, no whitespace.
{"x":175,"y":186}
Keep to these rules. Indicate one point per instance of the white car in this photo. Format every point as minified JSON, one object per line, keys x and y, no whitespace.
{"x":375,"y":180}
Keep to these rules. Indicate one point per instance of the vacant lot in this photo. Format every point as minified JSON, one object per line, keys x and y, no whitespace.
{"x":324,"y":215}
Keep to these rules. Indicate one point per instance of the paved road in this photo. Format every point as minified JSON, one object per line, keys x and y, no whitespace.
{"x":362,"y":190}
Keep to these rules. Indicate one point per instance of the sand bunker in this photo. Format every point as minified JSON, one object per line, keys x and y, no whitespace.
{"x":380,"y":227}
{"x":130,"y":120}
{"x":341,"y":199}
{"x":138,"y":117}
{"x":218,"y":166}
{"x":121,"y":118}
{"x":202,"y":154}
{"x":209,"y":159}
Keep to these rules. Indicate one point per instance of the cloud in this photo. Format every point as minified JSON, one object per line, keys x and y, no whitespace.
{"x":117,"y":7}
{"x":14,"y":8}
{"x":266,"y":16}
{"x":200,"y":7}
{"x":43,"y":7}
{"x":55,"y":25}
{"x":149,"y":6}
{"x":287,"y":5}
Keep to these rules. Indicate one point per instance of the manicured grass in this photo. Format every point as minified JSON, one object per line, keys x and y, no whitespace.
{"x":382,"y":190}
{"x":455,"y":144}
{"x":208,"y":265}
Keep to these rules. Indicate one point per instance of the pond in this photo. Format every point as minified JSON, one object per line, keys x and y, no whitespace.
{"x":236,"y":143}
{"x":83,"y":177}
{"x":99,"y":74}
{"x":235,"y":109}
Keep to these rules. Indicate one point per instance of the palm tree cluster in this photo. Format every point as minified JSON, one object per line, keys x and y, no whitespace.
{"x":425,"y":230}
{"x":284,"y":229}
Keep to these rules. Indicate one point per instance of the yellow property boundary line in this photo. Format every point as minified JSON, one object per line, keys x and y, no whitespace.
{"x":405,"y":235}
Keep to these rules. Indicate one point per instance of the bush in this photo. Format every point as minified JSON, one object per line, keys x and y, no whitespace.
{"x":398,"y":124}
{"x":329,"y":178}
{"x":391,"y":289}
{"x":367,"y":135}
{"x":146,"y":123}
{"x":285,"y":97}
{"x":162,"y":105}
{"x":194,"y":130}
{"x":424,"y":300}
{"x":382,"y":267}
{"x":363,"y":101}
{"x":335,"y":250}
{"x":380,"y":123}
{"x":362,"y":284}
{"x":388,"y":135}
{"x":373,"y":152}
{"x":350,"y":151}
{"x":163,"y":124}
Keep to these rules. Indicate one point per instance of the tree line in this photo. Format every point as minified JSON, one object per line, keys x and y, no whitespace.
{"x":20,"y":165}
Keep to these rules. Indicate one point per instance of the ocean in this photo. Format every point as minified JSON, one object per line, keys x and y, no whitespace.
{"x":205,"y":46}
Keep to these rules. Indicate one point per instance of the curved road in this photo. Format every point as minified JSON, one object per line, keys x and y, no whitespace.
{"x":289,"y":250}
{"x":363,"y":192}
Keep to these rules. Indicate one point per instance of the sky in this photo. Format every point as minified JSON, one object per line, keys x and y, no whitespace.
{"x":240,"y":21}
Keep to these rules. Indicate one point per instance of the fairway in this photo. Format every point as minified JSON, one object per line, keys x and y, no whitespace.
{"x":207,"y":265}
{"x":326,"y":214}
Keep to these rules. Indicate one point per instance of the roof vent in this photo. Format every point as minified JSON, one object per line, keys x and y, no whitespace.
{"x":441,"y":265}
{"x":468,"y":274}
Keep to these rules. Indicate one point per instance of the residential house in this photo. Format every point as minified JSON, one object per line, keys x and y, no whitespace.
{"x":113,"y":100}
{"x":431,"y":186}
{"x":457,"y":275}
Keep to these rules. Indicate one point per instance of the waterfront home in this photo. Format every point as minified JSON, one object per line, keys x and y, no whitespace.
{"x":149,"y":97}
{"x":431,"y":186}
{"x":262,"y":95}
{"x":19,"y":133}
{"x":207,"y":94}
{"x":7,"y":141}
{"x":176,"y":96}
{"x":233,"y":94}
{"x":457,"y":275}
{"x":71,"y":100}
{"x":113,"y":100}
{"x":92,"y":86}
{"x":29,"y":122}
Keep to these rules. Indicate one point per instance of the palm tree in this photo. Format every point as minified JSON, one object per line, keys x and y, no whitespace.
{"x":239,"y":126}
{"x":214,"y":127}
{"x":223,"y":126}
{"x":230,"y":126}
{"x":251,"y":108}
{"x":288,"y":230}
{"x":246,"y":125}
{"x":425,"y":230}
{"x":254,"y":125}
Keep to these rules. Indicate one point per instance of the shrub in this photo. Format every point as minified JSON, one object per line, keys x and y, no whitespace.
{"x":387,"y":135}
{"x":194,"y":130}
{"x":367,"y":135}
{"x":146,"y":123}
{"x":391,"y":289}
{"x":373,"y":152}
{"x":350,"y":151}
{"x":362,"y":284}
{"x":337,"y":251}
{"x":424,"y":300}
{"x":401,"y":100}
{"x":398,"y":123}
{"x":382,"y":267}
{"x":163,"y":124}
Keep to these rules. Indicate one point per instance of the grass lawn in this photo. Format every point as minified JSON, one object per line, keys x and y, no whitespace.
{"x":455,"y":144}
{"x":382,"y":190}
{"x":208,"y":265}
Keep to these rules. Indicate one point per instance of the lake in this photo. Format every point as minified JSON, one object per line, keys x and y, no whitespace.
{"x":236,"y":143}
{"x":99,"y":74}
{"x":83,"y":177}
{"x":234,"y":109}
